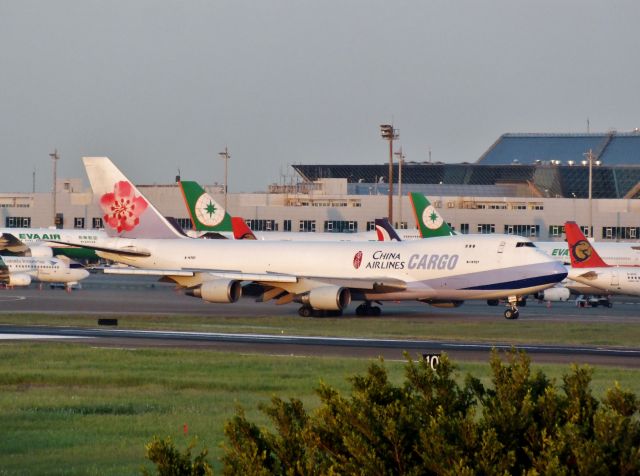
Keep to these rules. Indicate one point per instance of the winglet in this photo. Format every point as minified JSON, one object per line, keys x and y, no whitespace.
{"x":385,"y":231}
{"x":581,"y":252}
{"x":241,"y":230}
{"x":206,"y":214}
{"x":429,"y":221}
{"x":127,"y":213}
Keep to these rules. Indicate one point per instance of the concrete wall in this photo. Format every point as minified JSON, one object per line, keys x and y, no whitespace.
{"x":320,"y":206}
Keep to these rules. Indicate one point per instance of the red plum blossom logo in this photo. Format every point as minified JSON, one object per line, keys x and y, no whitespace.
{"x":357,"y":260}
{"x":122,"y":208}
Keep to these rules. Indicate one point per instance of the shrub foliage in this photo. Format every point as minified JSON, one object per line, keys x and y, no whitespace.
{"x":429,"y":424}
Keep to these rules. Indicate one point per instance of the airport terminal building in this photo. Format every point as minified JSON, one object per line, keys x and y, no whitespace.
{"x":525,"y":184}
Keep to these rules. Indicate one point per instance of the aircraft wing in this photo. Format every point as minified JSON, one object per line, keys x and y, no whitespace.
{"x":582,"y":274}
{"x":377,"y":284}
{"x":238,"y":275}
{"x":10,"y":243}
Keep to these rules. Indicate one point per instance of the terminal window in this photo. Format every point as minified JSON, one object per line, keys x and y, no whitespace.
{"x":522,"y":230}
{"x":307,"y":226}
{"x":486,"y":228}
{"x":185,"y":223}
{"x":556,"y":230}
{"x":97,"y":222}
{"x":17,"y":222}
{"x":340,"y":226}
{"x":78,"y":222}
{"x":371,"y":225}
{"x":620,"y":232}
{"x":262,"y":225}
{"x":286,"y":225}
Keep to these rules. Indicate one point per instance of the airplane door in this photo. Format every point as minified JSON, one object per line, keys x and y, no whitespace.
{"x":614,"y":278}
{"x":500,"y":251}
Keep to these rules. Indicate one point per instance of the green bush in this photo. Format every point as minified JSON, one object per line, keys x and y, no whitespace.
{"x":170,"y":462}
{"x":429,"y":424}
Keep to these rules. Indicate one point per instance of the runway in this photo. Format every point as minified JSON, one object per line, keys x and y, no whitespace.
{"x":109,"y":296}
{"x":331,"y":345}
{"x":116,"y":295}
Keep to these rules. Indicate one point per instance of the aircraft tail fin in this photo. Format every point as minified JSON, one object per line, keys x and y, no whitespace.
{"x":385,"y":231}
{"x":206,"y":214}
{"x":127,"y":213}
{"x":241,"y":230}
{"x":429,"y":221}
{"x":581,"y":252}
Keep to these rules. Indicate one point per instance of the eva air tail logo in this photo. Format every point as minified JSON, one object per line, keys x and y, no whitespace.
{"x":208,"y":212}
{"x":431,"y":219}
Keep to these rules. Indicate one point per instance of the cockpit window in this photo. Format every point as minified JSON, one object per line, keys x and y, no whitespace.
{"x":520,"y":244}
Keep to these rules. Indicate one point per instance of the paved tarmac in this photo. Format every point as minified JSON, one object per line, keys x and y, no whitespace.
{"x":112,"y":296}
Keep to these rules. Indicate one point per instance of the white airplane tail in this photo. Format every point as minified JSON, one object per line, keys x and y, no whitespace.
{"x":127,"y":213}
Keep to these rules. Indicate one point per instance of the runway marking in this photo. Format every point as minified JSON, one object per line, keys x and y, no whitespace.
{"x":35,"y":336}
{"x":12,"y":298}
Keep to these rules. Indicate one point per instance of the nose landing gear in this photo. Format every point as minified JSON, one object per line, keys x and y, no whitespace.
{"x":512,"y":312}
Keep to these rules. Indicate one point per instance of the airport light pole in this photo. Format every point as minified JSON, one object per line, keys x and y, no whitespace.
{"x":225,"y":156}
{"x":400,"y":164}
{"x":589,"y":156}
{"x":55,"y":157}
{"x":389,"y":133}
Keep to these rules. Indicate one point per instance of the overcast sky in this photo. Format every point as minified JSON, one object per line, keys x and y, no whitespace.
{"x":159,"y":85}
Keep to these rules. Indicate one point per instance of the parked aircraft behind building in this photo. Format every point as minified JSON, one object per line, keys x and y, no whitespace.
{"x":45,"y":242}
{"x":321,"y":276}
{"x":208,"y":216}
{"x":21,"y":270}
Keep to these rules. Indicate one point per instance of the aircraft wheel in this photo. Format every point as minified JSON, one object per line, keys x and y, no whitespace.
{"x":511,"y":314}
{"x":375,"y":311}
{"x":361,"y":310}
{"x":305,"y":311}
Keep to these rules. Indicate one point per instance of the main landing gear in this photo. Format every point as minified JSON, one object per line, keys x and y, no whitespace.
{"x":366,"y":309}
{"x":512,"y":312}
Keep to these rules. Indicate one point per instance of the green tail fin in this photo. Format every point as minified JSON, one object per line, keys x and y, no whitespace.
{"x":429,"y":220}
{"x":206,"y":214}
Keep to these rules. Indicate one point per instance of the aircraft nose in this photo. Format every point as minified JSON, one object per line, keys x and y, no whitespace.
{"x":559,"y":271}
{"x":82,"y":274}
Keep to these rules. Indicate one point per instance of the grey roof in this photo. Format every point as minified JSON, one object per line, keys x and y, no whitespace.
{"x":612,"y":148}
{"x":538,"y":163}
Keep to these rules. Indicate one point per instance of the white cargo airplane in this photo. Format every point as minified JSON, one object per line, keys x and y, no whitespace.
{"x":323,"y":276}
{"x":21,"y":270}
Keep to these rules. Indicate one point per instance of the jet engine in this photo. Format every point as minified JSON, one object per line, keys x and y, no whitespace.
{"x":554,"y":294}
{"x":218,"y":290}
{"x":39,"y":252}
{"x":19,"y":280}
{"x":443,"y":304}
{"x":327,"y":298}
